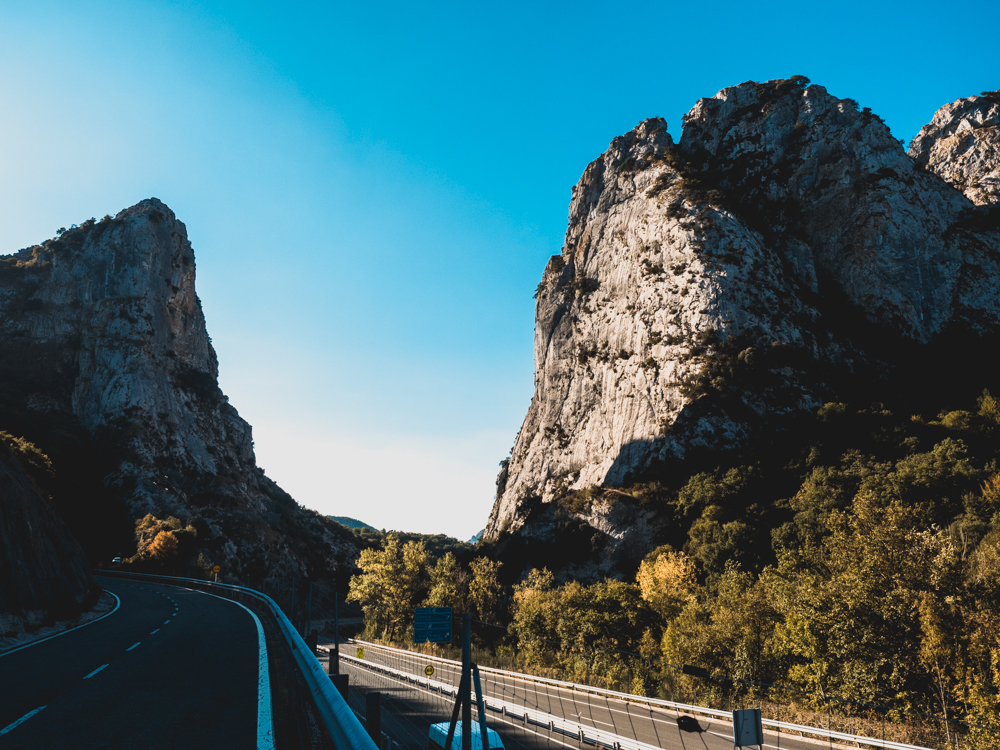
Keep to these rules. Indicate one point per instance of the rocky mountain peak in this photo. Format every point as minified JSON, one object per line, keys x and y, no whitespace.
{"x":102,"y":331}
{"x":961,"y":144}
{"x":708,"y":288}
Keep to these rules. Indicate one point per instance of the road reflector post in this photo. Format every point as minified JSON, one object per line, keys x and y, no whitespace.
{"x":340,"y":682}
{"x":373,"y":715}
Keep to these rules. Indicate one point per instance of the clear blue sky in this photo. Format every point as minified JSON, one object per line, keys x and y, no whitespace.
{"x":372,"y":190}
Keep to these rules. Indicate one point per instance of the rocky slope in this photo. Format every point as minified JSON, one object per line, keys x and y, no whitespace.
{"x":708,"y":289}
{"x":962,"y":145}
{"x":102,"y":337}
{"x":43,"y":571}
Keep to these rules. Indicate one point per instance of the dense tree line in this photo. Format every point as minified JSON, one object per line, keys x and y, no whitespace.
{"x":872,"y":579}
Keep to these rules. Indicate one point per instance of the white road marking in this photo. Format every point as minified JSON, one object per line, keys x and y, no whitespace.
{"x":166,"y":622}
{"x":95,"y":671}
{"x":133,"y":646}
{"x":118,"y":603}
{"x":265,"y":730}
{"x":590,"y":719}
{"x":154,"y":632}
{"x":21,"y":720}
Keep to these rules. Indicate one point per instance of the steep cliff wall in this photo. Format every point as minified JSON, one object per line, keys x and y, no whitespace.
{"x":708,"y":289}
{"x":101,"y":331}
{"x":43,"y":571}
{"x":962,"y":145}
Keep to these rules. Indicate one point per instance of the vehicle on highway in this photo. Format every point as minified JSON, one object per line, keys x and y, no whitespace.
{"x":116,"y":560}
{"x":439,"y":734}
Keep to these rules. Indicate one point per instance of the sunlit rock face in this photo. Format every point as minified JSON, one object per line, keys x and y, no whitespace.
{"x":102,"y":328}
{"x":709,"y":287}
{"x":962,"y":145}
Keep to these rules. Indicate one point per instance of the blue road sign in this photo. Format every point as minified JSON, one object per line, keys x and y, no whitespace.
{"x":432,"y":625}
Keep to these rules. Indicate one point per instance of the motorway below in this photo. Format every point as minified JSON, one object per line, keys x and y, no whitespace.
{"x":649,"y":724}
{"x":171,"y":668}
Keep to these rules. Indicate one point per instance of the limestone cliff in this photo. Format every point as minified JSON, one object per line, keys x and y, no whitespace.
{"x":962,"y":145}
{"x":710,"y":287}
{"x":101,"y":331}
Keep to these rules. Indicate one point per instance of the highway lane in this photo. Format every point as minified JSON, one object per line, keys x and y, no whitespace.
{"x":651,"y":725}
{"x":408,"y":712}
{"x":171,"y":668}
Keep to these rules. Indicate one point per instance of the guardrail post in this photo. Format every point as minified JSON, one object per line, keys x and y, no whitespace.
{"x":312,"y":640}
{"x":373,"y":715}
{"x":340,"y":681}
{"x":333,"y":666}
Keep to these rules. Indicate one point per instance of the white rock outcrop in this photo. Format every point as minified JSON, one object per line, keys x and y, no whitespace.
{"x":102,"y":327}
{"x":734,"y":256}
{"x":962,"y":144}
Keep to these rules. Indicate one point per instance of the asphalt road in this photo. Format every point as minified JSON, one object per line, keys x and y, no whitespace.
{"x":171,"y":668}
{"x":657,"y":727}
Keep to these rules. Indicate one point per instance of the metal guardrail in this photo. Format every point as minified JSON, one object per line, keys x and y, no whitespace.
{"x":726,"y":716}
{"x":339,"y":720}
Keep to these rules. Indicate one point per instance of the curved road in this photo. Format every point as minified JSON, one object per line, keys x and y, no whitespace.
{"x":171,"y":668}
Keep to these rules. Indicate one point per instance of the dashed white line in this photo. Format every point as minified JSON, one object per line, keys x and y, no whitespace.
{"x":21,"y":720}
{"x":155,"y":631}
{"x":166,"y":621}
{"x":133,"y":646}
{"x":95,"y":671}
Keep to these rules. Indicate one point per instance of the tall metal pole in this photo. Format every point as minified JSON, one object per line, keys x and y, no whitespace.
{"x":309,"y":610}
{"x":467,"y":680}
{"x":335,"y":654}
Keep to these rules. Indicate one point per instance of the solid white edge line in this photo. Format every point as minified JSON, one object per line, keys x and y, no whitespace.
{"x":95,"y":671}
{"x":20,"y":721}
{"x":265,"y":729}
{"x":118,"y":603}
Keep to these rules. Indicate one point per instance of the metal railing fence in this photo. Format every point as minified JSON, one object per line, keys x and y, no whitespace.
{"x":338,"y":719}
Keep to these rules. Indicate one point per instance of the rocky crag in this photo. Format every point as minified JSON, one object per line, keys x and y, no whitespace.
{"x":43,"y":572}
{"x":106,"y":365}
{"x":787,"y":250}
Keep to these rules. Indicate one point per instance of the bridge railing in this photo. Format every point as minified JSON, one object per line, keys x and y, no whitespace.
{"x":339,"y":720}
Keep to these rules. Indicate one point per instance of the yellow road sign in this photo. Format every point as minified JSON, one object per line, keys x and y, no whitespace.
{"x":216,"y":568}
{"x":361,"y":652}
{"x":428,"y":670}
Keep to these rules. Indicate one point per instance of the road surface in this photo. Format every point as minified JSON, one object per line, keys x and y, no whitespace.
{"x":656,"y":727}
{"x":171,"y":668}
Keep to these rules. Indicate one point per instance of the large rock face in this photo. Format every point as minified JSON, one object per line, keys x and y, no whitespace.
{"x":101,"y":328}
{"x":43,"y":572}
{"x":708,"y":287}
{"x":962,"y":145}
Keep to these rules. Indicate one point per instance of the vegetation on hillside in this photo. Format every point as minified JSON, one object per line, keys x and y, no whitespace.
{"x":435,"y":545}
{"x":872,"y":584}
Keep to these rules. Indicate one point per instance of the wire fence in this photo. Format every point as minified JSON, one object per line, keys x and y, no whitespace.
{"x":316,"y":606}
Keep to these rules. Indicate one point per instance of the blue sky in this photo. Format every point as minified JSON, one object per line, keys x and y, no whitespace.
{"x":372,"y":190}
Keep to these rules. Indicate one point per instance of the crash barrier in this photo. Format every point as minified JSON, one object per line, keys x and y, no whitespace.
{"x":585,"y":733}
{"x":339,"y":720}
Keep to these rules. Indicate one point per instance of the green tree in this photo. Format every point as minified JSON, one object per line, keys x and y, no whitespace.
{"x":389,"y":586}
{"x":449,"y":585}
{"x":485,"y":591}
